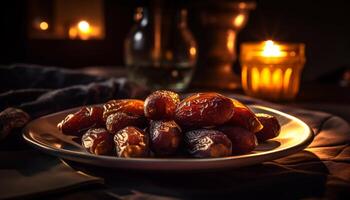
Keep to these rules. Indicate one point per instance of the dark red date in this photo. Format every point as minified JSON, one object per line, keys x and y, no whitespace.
{"x":271,"y":129}
{"x":120,"y":120}
{"x":204,"y":110}
{"x":131,"y":142}
{"x":130,"y":106}
{"x":87,"y":117}
{"x":98,"y":141}
{"x":165,"y":137}
{"x":244,"y":117}
{"x":161,"y":104}
{"x":207,"y":143}
{"x":243,"y":141}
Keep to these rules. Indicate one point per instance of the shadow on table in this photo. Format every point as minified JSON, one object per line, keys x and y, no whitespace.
{"x":298,"y":176}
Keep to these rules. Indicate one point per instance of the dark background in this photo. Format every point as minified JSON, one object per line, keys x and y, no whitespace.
{"x":322,"y":25}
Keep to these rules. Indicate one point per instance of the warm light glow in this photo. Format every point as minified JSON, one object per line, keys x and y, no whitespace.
{"x":230,"y":41}
{"x":245,"y":78}
{"x":272,"y":50}
{"x":272,"y":70}
{"x":286,"y":80}
{"x":255,"y":74}
{"x":73,"y":32}
{"x":277,"y":79}
{"x":238,"y":21}
{"x":84,"y":26}
{"x":44,"y":25}
{"x":265,"y":78}
{"x":84,"y":30}
{"x":193,"y":51}
{"x":270,"y":82}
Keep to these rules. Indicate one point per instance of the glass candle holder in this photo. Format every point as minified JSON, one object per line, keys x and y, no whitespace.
{"x":272,"y":70}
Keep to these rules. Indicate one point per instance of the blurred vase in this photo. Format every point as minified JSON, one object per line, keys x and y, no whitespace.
{"x":160,"y":51}
{"x":217,"y":23}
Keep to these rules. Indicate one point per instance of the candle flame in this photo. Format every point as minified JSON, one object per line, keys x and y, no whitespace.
{"x":84,"y":26}
{"x":193,"y":51}
{"x":44,"y":25}
{"x":239,"y":19}
{"x":84,"y":30}
{"x":272,"y":49}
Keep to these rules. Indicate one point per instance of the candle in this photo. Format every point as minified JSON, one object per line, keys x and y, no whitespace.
{"x":84,"y":30}
{"x":272,"y":70}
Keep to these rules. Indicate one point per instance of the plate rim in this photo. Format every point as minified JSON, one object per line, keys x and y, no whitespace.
{"x":68,"y":154}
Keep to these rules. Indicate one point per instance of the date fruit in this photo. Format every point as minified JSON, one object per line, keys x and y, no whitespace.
{"x":165,"y":137}
{"x":204,"y":110}
{"x":243,"y":141}
{"x":131,"y":106}
{"x":120,"y":120}
{"x":98,"y":141}
{"x":244,"y":117}
{"x":131,"y":142}
{"x":161,"y":104}
{"x":207,"y":143}
{"x":271,"y":127}
{"x":85,"y":118}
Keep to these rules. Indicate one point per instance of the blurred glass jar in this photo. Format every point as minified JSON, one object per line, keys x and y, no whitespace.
{"x":160,"y":51}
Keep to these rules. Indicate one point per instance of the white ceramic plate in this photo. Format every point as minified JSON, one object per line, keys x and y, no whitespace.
{"x":295,"y":135}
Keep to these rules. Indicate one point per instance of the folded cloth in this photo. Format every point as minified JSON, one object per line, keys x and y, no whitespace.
{"x":24,"y":76}
{"x":42,"y":90}
{"x":30,"y":91}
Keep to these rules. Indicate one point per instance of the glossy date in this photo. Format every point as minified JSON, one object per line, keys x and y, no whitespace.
{"x":204,"y":110}
{"x":271,"y":129}
{"x":161,"y":104}
{"x":87,"y":117}
{"x":120,"y":120}
{"x":130,"y":106}
{"x":207,"y":143}
{"x":244,"y":117}
{"x":98,"y":141}
{"x":243,"y":141}
{"x":165,"y":137}
{"x":131,"y":142}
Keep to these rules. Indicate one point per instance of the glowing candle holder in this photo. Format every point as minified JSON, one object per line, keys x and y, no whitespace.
{"x":272,"y":70}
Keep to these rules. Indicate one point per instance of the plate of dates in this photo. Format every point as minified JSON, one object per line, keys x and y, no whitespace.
{"x":203,"y":131}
